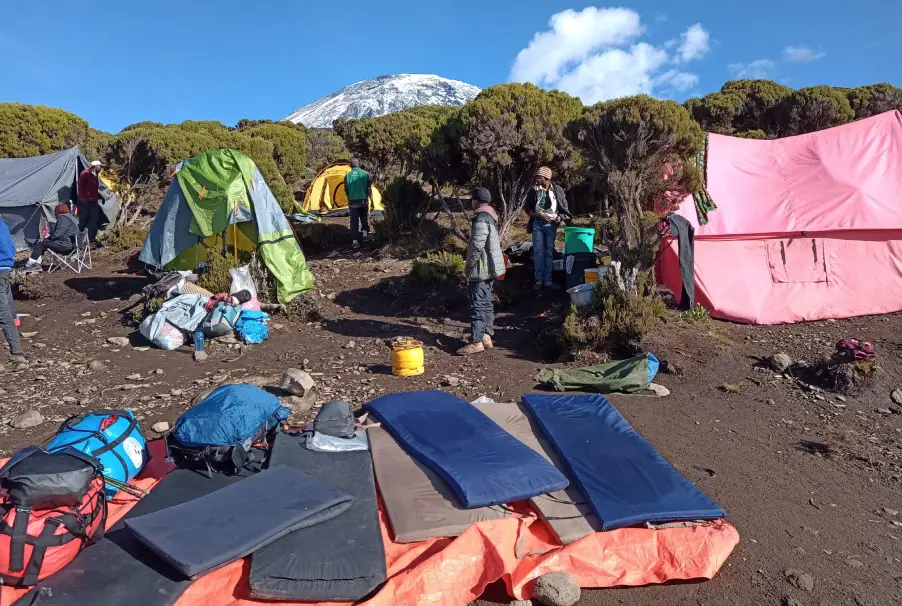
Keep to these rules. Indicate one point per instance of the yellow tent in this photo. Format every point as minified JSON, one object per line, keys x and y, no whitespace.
{"x":327,"y":194}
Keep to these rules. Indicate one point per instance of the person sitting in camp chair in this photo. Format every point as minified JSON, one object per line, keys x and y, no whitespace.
{"x":358,"y":187}
{"x":61,"y":239}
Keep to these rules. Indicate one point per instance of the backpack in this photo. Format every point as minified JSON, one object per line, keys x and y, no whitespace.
{"x":221,"y":321}
{"x":113,"y":437}
{"x":219,"y":432}
{"x":55,"y":504}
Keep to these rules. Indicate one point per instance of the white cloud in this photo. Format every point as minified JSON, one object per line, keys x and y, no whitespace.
{"x":573,"y":37}
{"x":756,"y":70}
{"x":694,"y":43}
{"x":596,"y":54}
{"x":801,"y":54}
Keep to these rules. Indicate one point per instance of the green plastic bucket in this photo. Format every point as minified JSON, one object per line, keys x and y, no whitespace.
{"x":579,"y":240}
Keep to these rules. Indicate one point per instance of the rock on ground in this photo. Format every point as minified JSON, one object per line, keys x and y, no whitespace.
{"x":119,"y":341}
{"x":780,"y":362}
{"x":96,"y":365}
{"x":556,"y":589}
{"x":29,"y":418}
{"x":800,"y":580}
{"x":897,"y":397}
{"x":521,"y":603}
{"x":658,"y":390}
{"x":161,"y":427}
{"x":297,"y":382}
{"x":790,"y":601}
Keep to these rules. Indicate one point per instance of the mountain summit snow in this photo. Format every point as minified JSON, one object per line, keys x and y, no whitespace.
{"x":383,"y":95}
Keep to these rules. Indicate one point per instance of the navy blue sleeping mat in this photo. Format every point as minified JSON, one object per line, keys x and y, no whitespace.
{"x":204,"y":534}
{"x":340,"y":560}
{"x":481,"y":462}
{"x":119,"y":569}
{"x":624,"y":478}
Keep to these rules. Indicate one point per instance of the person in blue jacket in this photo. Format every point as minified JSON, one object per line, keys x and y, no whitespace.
{"x":7,"y":310}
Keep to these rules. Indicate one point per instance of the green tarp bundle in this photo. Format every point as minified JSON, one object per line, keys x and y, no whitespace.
{"x":625,"y":376}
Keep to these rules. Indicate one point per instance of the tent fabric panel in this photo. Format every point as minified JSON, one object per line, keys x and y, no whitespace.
{"x":24,"y":224}
{"x":215,"y":185}
{"x":863,"y":277}
{"x":169,"y":234}
{"x":38,"y":179}
{"x":843,"y":178}
{"x":278,"y":246}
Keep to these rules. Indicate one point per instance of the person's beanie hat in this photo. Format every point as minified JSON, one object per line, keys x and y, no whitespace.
{"x":544,"y":171}
{"x":355,"y":163}
{"x":483,"y":195}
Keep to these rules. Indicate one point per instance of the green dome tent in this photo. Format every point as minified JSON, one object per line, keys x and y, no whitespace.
{"x":219,"y":199}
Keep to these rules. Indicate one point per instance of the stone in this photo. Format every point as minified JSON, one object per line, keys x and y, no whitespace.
{"x":177,"y":392}
{"x":161,"y":427}
{"x":119,"y":341}
{"x":890,"y":512}
{"x":450,"y":381}
{"x":790,"y":601}
{"x":884,"y":411}
{"x":521,"y":603}
{"x":799,"y":580}
{"x":854,"y":562}
{"x":39,"y":345}
{"x":658,"y":390}
{"x":896,"y":396}
{"x":556,"y":589}
{"x":158,"y":371}
{"x":140,"y":349}
{"x":350,"y":345}
{"x":69,"y":399}
{"x":29,"y":418}
{"x":296,"y":404}
{"x":297,"y":382}
{"x":780,"y":362}
{"x":134,"y":376}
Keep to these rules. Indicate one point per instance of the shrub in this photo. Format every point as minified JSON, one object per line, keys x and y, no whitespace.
{"x":142,"y":311}
{"x":322,"y":237}
{"x":306,"y":307}
{"x":626,"y":317}
{"x":217,"y":278}
{"x":405,"y":204}
{"x":120,"y":238}
{"x":437,"y":267}
{"x":696,"y":315}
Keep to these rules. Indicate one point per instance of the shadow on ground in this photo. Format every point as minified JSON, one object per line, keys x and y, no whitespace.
{"x":106,"y":288}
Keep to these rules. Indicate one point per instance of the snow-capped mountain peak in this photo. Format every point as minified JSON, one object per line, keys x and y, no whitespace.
{"x":383,"y":95}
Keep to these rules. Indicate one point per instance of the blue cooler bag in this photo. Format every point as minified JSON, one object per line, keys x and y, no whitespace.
{"x":113,"y":437}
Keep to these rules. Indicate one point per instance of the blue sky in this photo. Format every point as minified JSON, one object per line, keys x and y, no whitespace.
{"x":114,"y":62}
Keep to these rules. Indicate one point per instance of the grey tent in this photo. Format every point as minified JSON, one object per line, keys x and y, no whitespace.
{"x":30,"y":188}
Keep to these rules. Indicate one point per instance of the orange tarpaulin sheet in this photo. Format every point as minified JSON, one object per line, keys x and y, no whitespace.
{"x":455,"y":571}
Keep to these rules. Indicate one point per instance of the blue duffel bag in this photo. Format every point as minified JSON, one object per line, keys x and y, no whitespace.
{"x":113,"y":437}
{"x":219,"y":432}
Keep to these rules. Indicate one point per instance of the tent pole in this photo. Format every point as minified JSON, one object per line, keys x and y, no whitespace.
{"x":235,"y":232}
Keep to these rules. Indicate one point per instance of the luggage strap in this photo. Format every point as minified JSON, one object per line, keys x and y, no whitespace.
{"x":69,"y":423}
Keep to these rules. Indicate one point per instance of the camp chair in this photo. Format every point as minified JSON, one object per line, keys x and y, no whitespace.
{"x":77,"y":260}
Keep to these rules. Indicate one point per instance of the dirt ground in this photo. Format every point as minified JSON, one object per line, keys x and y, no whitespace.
{"x":810,"y":479}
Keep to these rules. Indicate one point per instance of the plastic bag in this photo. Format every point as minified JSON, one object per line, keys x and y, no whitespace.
{"x":251,"y":326}
{"x":242,"y":280}
{"x":321,"y":442}
{"x":169,"y":337}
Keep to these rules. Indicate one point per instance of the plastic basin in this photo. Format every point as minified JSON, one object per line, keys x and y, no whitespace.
{"x":581,"y":295}
{"x":579,"y":240}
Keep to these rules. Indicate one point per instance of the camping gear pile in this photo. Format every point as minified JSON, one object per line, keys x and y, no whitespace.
{"x":467,"y":491}
{"x":187,"y":308}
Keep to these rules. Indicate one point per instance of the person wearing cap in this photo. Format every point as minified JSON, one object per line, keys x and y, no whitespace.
{"x":7,"y":309}
{"x":485,"y":264}
{"x":88,"y":205}
{"x":546,"y":205}
{"x":358,"y":186}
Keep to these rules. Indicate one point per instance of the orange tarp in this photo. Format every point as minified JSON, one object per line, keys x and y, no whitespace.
{"x":455,"y":571}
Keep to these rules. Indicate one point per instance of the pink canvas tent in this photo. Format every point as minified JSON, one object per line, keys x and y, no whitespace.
{"x":806,"y":228}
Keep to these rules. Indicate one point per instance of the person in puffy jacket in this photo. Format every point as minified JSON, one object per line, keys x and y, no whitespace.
{"x":485,"y":263}
{"x":7,"y":309}
{"x":61,"y":239}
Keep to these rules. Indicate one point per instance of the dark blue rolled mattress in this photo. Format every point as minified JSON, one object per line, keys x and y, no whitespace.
{"x":483,"y":464}
{"x":625,"y":480}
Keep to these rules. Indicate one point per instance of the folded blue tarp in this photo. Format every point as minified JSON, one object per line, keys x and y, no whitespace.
{"x":624,"y":478}
{"x":199,"y":536}
{"x":482,"y":463}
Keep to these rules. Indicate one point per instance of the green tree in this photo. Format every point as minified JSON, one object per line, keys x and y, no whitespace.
{"x":760,"y":100}
{"x":323,"y":148}
{"x":508,"y":132}
{"x":34,"y":130}
{"x":715,"y":112}
{"x":814,"y":108}
{"x":640,"y":152}
{"x":289,"y":148}
{"x":867,"y":101}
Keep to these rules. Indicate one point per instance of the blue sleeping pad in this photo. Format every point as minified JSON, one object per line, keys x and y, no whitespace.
{"x":482,"y":463}
{"x":113,"y":437}
{"x":624,"y":478}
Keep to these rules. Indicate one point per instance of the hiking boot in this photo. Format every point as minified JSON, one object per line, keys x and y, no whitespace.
{"x":355,"y":245}
{"x":472,"y":348}
{"x":551,"y":286}
{"x":18,"y":359}
{"x":200,"y":357}
{"x":537,"y":286}
{"x":487,"y":342}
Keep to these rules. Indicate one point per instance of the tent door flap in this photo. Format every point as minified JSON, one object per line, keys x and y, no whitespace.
{"x":797,"y":260}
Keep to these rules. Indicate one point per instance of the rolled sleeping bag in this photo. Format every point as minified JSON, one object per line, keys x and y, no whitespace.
{"x":113,"y":437}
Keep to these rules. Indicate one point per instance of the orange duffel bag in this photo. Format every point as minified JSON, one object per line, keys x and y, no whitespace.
{"x":52,"y":506}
